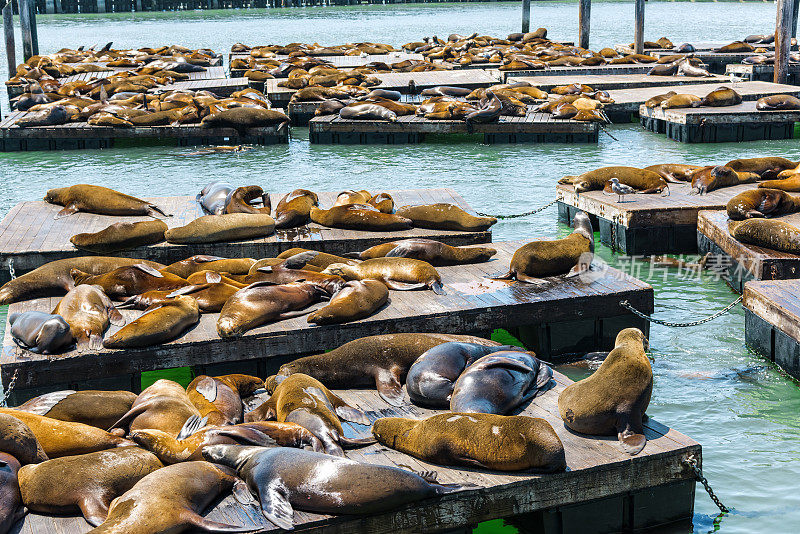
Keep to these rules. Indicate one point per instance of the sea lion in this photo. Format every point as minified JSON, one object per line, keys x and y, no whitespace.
{"x":320,"y":259}
{"x":684,"y":48}
{"x":790,"y":183}
{"x":263,"y":302}
{"x":487,"y":441}
{"x":171,"y":499}
{"x":384,"y":93}
{"x":121,"y":236}
{"x":352,"y":197}
{"x":381,"y":361}
{"x":214,"y":197}
{"x":355,"y":300}
{"x":219,"y":398}
{"x":383,"y":201}
{"x":571,"y":255}
{"x":221,"y":228}
{"x":99,"y":200}
{"x":242,"y":119}
{"x":655,"y":101}
{"x":640,"y":179}
{"x":724,"y":96}
{"x":88,"y":311}
{"x":436,"y":253}
{"x":767,"y":233}
{"x":18,"y":440}
{"x":431,"y":378}
{"x":664,"y":69}
{"x":127,"y":281}
{"x":164,"y":406}
{"x":341,"y":485}
{"x":94,"y":408}
{"x":294,"y":209}
{"x":674,"y":172}
{"x":400,"y":274}
{"x":735,"y":48}
{"x":778,"y":102}
{"x":681,"y":101}
{"x":302,"y":399}
{"x":65,"y":438}
{"x":241,"y":199}
{"x":11,"y":509}
{"x":359,"y":217}
{"x":614,"y":399}
{"x":281,"y":274}
{"x":210,"y":297}
{"x":203,"y":262}
{"x":709,"y":178}
{"x":53,"y":116}
{"x":761,"y":202}
{"x":445,"y":217}
{"x":40,"y":332}
{"x":86,"y":483}
{"x":766,"y":168}
{"x":367,"y":111}
{"x":687,"y":68}
{"x":160,"y":323}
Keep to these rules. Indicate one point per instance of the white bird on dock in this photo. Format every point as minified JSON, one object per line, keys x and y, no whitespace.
{"x":621,"y":189}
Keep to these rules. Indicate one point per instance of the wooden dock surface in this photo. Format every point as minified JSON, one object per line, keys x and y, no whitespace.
{"x":31,"y":237}
{"x":218,"y":86}
{"x":636,"y":68}
{"x":597,"y":469}
{"x":579,"y":317}
{"x":772,"y":321}
{"x":607,"y":82}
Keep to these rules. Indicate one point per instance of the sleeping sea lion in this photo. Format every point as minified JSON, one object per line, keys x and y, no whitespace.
{"x":99,"y":200}
{"x":778,"y":102}
{"x":614,"y":399}
{"x":735,"y":47}
{"x":40,"y":332}
{"x":352,"y":197}
{"x":367,"y":111}
{"x":359,"y":217}
{"x":53,"y":116}
{"x":214,"y":197}
{"x":18,"y":440}
{"x":724,"y":96}
{"x":767,"y":233}
{"x":486,"y":441}
{"x":241,"y":200}
{"x":219,"y":398}
{"x":11,"y":508}
{"x":242,"y":119}
{"x":383,"y":201}
{"x":709,"y":178}
{"x":791,"y":183}
{"x":100,"y":409}
{"x":320,"y":259}
{"x":355,"y":300}
{"x":210,"y":297}
{"x":164,"y":406}
{"x":655,"y":101}
{"x":766,"y":168}
{"x":202,"y":262}
{"x":436,"y":253}
{"x":88,"y":311}
{"x":400,"y":274}
{"x":127,"y":281}
{"x":674,"y":172}
{"x":681,"y":100}
{"x":642,"y":180}
{"x":221,"y":228}
{"x":121,"y":236}
{"x":445,"y":217}
{"x":294,"y":209}
{"x":761,"y":202}
{"x":160,"y":323}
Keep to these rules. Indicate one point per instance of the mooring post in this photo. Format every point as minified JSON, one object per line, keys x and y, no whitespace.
{"x":8,"y":26}
{"x":795,"y":5}
{"x":27,"y":22}
{"x":584,"y":16}
{"x":638,"y":36}
{"x":783,"y":39}
{"x":526,"y":16}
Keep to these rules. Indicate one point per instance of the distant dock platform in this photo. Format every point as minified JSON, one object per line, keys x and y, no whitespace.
{"x":772,"y":321}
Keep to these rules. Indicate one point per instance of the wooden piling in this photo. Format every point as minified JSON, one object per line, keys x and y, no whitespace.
{"x":638,"y":39}
{"x":526,"y":16}
{"x":584,"y":16}
{"x":783,"y":23}
{"x":8,"y":27}
{"x":27,"y":22}
{"x":795,"y":7}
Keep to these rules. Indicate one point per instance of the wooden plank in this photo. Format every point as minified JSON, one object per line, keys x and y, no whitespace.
{"x":639,"y":68}
{"x":617,"y":81}
{"x":741,"y":113}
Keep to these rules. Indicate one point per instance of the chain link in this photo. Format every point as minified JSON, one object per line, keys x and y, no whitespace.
{"x":9,"y":389}
{"x":625,"y":304}
{"x":11,"y":270}
{"x":537,"y":210}
{"x":698,"y":473}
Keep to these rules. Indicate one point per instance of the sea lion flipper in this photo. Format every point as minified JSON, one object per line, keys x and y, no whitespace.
{"x":95,"y":343}
{"x":130,"y":415}
{"x":530,"y":279}
{"x":352,"y":443}
{"x":400,"y":251}
{"x":630,"y":440}
{"x":402,"y":286}
{"x":438,"y":288}
{"x":93,"y":508}
{"x":544,"y":376}
{"x":199,"y":522}
{"x":508,"y":275}
{"x":242,"y":493}
{"x":115,"y":317}
{"x":299,"y":260}
{"x":185,"y":290}
{"x":389,"y":387}
{"x":505,"y":362}
{"x":152,"y":209}
{"x":192,"y":425}
{"x":68,"y":210}
{"x":42,"y":404}
{"x":249,"y":436}
{"x":147,"y":269}
{"x":207,"y":387}
{"x":276,"y":507}
{"x":354,"y":415}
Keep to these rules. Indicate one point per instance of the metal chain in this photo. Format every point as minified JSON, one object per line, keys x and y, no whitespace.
{"x":9,"y":389}
{"x":625,"y":304}
{"x":698,"y":473}
{"x":11,"y":270}
{"x":537,"y":210}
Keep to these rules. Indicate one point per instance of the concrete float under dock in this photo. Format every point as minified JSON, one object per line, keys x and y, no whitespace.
{"x":772,"y":321}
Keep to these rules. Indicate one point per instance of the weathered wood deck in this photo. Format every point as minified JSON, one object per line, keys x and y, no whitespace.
{"x":704,"y":46}
{"x":772,"y":321}
{"x":741,"y":122}
{"x":761,"y":72}
{"x":346,"y":61}
{"x":645,"y":224}
{"x":637,"y":68}
{"x":607,"y":82}
{"x":218,"y":86}
{"x":563,"y":316}
{"x":30,"y":237}
{"x":602,"y":490}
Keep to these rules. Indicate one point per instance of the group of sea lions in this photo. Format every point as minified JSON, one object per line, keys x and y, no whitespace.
{"x":720,"y":97}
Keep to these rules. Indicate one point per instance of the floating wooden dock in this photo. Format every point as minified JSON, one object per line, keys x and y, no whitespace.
{"x":30,"y":237}
{"x":764,"y":73}
{"x":772,"y":321}
{"x":715,"y":62}
{"x":636,"y":68}
{"x":740,"y":262}
{"x":645,"y":224}
{"x":607,"y":82}
{"x":602,"y":490}
{"x":564,"y":316}
{"x":342,"y":61}
{"x":741,"y":122}
{"x":219,"y":86}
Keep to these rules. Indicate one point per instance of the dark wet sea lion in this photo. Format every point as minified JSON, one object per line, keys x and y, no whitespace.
{"x":128,"y":281}
{"x":488,"y":441}
{"x":489,"y":112}
{"x":11,"y":509}
{"x":384,"y":93}
{"x":18,"y":440}
{"x":53,"y":116}
{"x":709,"y":178}
{"x":400,"y":274}
{"x":304,"y":400}
{"x":778,"y":102}
{"x":242,"y":119}
{"x":121,"y":236}
{"x":330,"y":106}
{"x":171,"y":499}
{"x":86,"y":483}
{"x":222,"y":228}
{"x":445,"y":90}
{"x":664,"y":69}
{"x":674,"y":172}
{"x":203,"y":262}
{"x":341,"y":486}
{"x":367,"y":111}
{"x":164,"y":406}
{"x":88,"y":311}
{"x":790,"y":183}
{"x":65,"y":438}
{"x":434,"y":252}
{"x":160,"y":323}
{"x":100,"y":409}
{"x":359,"y":217}
{"x":355,"y":300}
{"x":767,"y":167}
{"x":642,"y":180}
{"x":214,"y":197}
{"x":724,"y":96}
{"x":219,"y":398}
{"x":767,"y":233}
{"x":210,"y":297}
{"x":320,"y":260}
{"x":761,"y":202}
{"x":294,"y":209}
{"x":40,"y":332}
{"x":240,"y":200}
{"x":380,"y":361}
{"x":99,"y":200}
{"x":445,"y":217}
{"x":614,"y":399}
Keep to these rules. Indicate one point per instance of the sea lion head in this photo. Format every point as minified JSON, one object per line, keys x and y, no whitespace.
{"x":234,"y":456}
{"x":632,"y":335}
{"x":583,"y":226}
{"x":387,"y":429}
{"x":582,"y":186}
{"x":271,"y":383}
{"x":55,"y":196}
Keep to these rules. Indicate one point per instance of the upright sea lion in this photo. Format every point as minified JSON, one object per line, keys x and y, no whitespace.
{"x":40,"y":332}
{"x":767,"y":233}
{"x":171,"y":499}
{"x":100,"y":409}
{"x":121,"y":236}
{"x":18,"y":440}
{"x":790,"y":183}
{"x":241,"y":200}
{"x":242,"y":119}
{"x":355,"y":300}
{"x":341,"y":486}
{"x":99,"y":200}
{"x":320,"y":259}
{"x":295,"y":208}
{"x":65,"y":438}
{"x":766,"y":168}
{"x":88,"y":311}
{"x":164,"y":406}
{"x":640,"y":179}
{"x":724,"y":96}
{"x":400,"y":274}
{"x":381,"y":361}
{"x":302,"y":399}
{"x":445,"y":217}
{"x":11,"y":509}
{"x":203,"y":262}
{"x":219,"y":398}
{"x":614,"y":399}
{"x":210,"y":297}
{"x":86,"y":483}
{"x":434,"y":252}
{"x":487,"y":441}
{"x":762,"y":202}
{"x":359,"y":217}
{"x":674,"y":172}
{"x":127,"y":281}
{"x":214,"y":197}
{"x":778,"y":102}
{"x":160,"y":323}
{"x":709,"y":178}
{"x":221,"y":228}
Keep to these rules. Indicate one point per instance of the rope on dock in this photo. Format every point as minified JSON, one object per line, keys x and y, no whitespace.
{"x":625,"y":304}
{"x":537,"y":210}
{"x":698,"y":473}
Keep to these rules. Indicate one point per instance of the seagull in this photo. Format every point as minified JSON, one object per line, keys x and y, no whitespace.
{"x":621,"y":189}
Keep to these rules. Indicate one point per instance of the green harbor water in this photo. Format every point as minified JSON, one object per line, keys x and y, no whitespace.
{"x":707,"y":384}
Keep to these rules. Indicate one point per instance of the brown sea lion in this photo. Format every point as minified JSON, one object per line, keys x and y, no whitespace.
{"x":709,"y":178}
{"x":359,"y":217}
{"x":724,"y":96}
{"x":434,"y":252}
{"x":65,"y":438}
{"x":241,"y":200}
{"x":219,"y":398}
{"x":767,"y":233}
{"x":640,"y":179}
{"x":487,"y":441}
{"x":221,"y":228}
{"x":171,"y":499}
{"x":213,"y":277}
{"x":674,"y":172}
{"x":242,"y":119}
{"x":203,"y":262}
{"x":302,"y":399}
{"x":614,"y":399}
{"x":400,"y":274}
{"x":761,"y":202}
{"x":164,"y":406}
{"x":280,"y":274}
{"x":381,"y":361}
{"x":790,"y":183}
{"x":295,"y":208}
{"x":383,"y":201}
{"x":88,"y":311}
{"x":210,"y":297}
{"x":127,"y":281}
{"x":778,"y":102}
{"x":355,"y":300}
{"x":90,"y":407}
{"x":352,"y":197}
{"x":735,"y":47}
{"x":121,"y":236}
{"x":11,"y":509}
{"x":677,"y":101}
{"x":18,"y":440}
{"x":160,"y":323}
{"x":367,"y":111}
{"x":445,"y":217}
{"x":320,"y":259}
{"x":766,"y":168}
{"x":86,"y":483}
{"x":99,"y":200}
